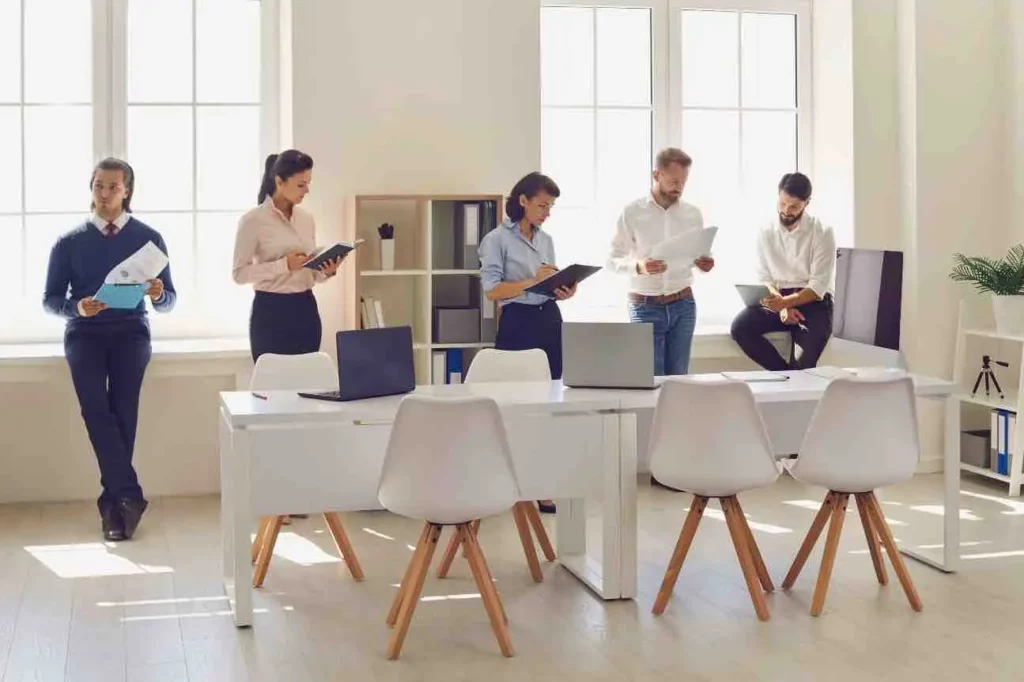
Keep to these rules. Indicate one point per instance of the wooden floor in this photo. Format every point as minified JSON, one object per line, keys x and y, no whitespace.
{"x":73,"y":608}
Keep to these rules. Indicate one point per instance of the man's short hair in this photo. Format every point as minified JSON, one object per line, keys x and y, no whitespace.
{"x":666,"y":157}
{"x":796,"y":185}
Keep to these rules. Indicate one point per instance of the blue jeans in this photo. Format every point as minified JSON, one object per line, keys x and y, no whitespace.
{"x":673,"y":332}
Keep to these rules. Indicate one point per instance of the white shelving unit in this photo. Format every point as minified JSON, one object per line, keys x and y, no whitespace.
{"x":425,"y":226}
{"x":973,"y":341}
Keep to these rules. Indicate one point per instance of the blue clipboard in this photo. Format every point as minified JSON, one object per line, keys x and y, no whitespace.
{"x":122,"y":296}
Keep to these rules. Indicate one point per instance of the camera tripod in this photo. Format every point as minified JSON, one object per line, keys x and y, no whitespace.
{"x":989,"y":375}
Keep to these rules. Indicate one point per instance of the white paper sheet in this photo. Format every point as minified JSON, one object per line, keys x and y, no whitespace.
{"x":686,"y":248}
{"x":144,"y":264}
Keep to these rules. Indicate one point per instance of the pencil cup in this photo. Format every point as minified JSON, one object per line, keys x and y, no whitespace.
{"x":387,"y":254}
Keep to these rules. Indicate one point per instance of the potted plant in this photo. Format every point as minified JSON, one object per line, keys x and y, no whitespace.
{"x":1004,"y":278}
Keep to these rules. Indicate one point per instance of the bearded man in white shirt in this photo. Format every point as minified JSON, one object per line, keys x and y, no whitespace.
{"x":797,"y":262}
{"x":659,"y":291}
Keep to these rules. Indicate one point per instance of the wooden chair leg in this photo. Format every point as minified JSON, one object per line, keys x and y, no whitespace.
{"x":348,"y":554}
{"x":828,"y":559}
{"x":412,"y":593}
{"x":266,"y":551}
{"x":812,"y":537}
{"x":539,"y":530}
{"x":874,"y":544}
{"x":675,"y":564}
{"x":489,"y":594}
{"x":396,"y":603}
{"x":523,"y":525}
{"x":878,"y":520}
{"x":475,"y":527}
{"x":449,"y":554}
{"x":755,"y":552}
{"x":475,"y":568}
{"x":739,"y":541}
{"x":261,"y":530}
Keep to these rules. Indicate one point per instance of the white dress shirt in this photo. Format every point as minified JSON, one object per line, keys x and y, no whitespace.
{"x":643,"y":225}
{"x":265,"y":238}
{"x":803,"y":257}
{"x":119,"y":222}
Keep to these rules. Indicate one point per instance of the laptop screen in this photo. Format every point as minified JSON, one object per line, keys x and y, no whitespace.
{"x":375,"y":362}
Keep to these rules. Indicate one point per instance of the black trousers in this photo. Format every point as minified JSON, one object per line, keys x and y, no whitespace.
{"x":285,"y":324}
{"x":524,"y":327}
{"x":108,"y":361}
{"x":750,"y":326}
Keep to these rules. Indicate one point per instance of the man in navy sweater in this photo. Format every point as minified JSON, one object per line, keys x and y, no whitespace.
{"x":107,"y":349}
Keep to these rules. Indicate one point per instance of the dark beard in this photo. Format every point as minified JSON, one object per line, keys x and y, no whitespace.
{"x":789,"y":222}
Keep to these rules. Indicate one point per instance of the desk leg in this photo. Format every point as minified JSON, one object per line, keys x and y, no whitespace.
{"x":951,"y":496}
{"x":627,"y":505}
{"x":235,"y":520}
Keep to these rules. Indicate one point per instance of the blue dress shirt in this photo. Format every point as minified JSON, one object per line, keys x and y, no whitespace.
{"x":507,"y":256}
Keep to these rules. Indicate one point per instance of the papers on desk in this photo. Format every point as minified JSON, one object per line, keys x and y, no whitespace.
{"x":756,"y":377}
{"x":828,"y":372}
{"x":687,"y":247}
{"x":145,"y":264}
{"x":122,"y":296}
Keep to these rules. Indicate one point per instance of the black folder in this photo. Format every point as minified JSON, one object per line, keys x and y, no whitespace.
{"x":566,"y":277}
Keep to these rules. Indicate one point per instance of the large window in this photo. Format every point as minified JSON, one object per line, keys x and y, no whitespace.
{"x":725,"y":80}
{"x":172,"y":86}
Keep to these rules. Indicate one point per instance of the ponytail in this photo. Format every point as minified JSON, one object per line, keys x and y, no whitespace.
{"x":267,"y":184}
{"x":284,"y":165}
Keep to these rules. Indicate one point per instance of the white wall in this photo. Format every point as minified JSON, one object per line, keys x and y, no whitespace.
{"x":444,"y":100}
{"x":1015,"y":55}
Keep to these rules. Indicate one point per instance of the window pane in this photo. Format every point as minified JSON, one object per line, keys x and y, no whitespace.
{"x":769,"y":60}
{"x":10,"y":152}
{"x":160,"y":50}
{"x":227,"y":51}
{"x":769,"y":152}
{"x":58,"y":158}
{"x":58,"y":49}
{"x":11,"y":275}
{"x":229,"y":159}
{"x":160,"y":151}
{"x":10,"y":50}
{"x":712,"y":139}
{"x":567,"y":55}
{"x":710,"y":56}
{"x":224,"y":305}
{"x":624,"y":57}
{"x":176,"y":229}
{"x":623,"y":156}
{"x":567,"y":153}
{"x":41,"y":233}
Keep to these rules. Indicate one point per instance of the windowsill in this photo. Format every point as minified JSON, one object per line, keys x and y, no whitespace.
{"x":20,"y":354}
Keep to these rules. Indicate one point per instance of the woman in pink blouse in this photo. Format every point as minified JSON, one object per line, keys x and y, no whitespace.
{"x":273,"y":241}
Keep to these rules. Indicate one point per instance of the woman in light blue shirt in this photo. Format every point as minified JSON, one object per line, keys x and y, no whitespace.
{"x":516,"y":256}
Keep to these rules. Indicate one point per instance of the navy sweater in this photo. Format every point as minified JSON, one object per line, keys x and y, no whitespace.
{"x":82,"y":259}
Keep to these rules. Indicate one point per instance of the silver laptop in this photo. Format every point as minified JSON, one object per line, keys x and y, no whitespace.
{"x":608,"y":355}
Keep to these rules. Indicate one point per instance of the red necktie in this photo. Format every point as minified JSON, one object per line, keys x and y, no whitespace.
{"x":110,"y":230}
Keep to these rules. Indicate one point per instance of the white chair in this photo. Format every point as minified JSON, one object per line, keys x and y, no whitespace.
{"x":708,"y":439}
{"x":447,"y":463}
{"x":490,"y":365}
{"x":310,"y":371}
{"x":863,"y":436}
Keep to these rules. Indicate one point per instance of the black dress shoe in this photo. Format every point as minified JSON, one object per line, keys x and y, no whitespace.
{"x":546,"y":507}
{"x":113,"y":524}
{"x":131,"y":512}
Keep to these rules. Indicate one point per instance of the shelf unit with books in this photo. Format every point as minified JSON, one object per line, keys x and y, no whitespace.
{"x":977,"y":337}
{"x":433,"y":284}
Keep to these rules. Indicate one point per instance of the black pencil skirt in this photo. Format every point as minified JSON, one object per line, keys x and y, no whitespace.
{"x":286,"y":324}
{"x":524,"y":327}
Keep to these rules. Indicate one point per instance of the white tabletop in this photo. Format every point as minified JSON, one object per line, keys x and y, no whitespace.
{"x":242,"y":408}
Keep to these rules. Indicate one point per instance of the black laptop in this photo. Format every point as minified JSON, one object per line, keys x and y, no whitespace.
{"x":372,"y":363}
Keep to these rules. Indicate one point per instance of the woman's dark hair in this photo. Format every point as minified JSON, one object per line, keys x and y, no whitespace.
{"x":796,"y":185}
{"x":529,"y":186}
{"x":112,"y":164}
{"x":284,"y":165}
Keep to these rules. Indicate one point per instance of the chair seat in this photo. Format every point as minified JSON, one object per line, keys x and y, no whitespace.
{"x":860,"y":482}
{"x":446,"y":517}
{"x":714,"y":485}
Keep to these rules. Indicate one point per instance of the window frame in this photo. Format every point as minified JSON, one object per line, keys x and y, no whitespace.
{"x":109,"y":108}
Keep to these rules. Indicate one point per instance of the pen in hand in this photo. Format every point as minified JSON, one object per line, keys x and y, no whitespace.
{"x":259,"y":395}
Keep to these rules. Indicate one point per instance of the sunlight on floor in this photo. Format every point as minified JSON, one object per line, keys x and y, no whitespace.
{"x":850,"y":509}
{"x":377,"y":534}
{"x":754,"y":525}
{"x":183,"y":616}
{"x":1016,"y":506}
{"x":450,"y":597}
{"x":939,"y":510}
{"x":88,"y":560}
{"x":993,"y":555}
{"x":159,"y":602}
{"x":302,"y":551}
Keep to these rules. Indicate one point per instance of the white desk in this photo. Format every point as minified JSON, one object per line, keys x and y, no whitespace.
{"x":592,"y":431}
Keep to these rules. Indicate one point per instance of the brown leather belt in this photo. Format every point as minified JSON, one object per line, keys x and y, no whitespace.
{"x":664,"y":299}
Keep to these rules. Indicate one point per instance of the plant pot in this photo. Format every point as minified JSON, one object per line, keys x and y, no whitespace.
{"x":1009,"y":314}
{"x":387,"y":254}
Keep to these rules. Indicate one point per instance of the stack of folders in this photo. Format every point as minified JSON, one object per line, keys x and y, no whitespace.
{"x":447,"y":366}
{"x":372,"y":313}
{"x":1004,"y":426}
